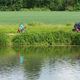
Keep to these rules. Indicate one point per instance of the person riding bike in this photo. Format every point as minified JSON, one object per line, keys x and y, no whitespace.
{"x":21,"y":28}
{"x":77,"y":27}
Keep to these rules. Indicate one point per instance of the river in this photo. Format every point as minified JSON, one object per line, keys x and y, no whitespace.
{"x":40,"y":63}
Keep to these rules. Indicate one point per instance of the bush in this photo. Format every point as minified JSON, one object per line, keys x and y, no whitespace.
{"x":70,"y":8}
{"x":3,"y":8}
{"x":76,"y":39}
{"x":3,"y":39}
{"x":47,"y":38}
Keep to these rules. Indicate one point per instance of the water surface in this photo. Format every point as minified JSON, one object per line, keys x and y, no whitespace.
{"x":39,"y":63}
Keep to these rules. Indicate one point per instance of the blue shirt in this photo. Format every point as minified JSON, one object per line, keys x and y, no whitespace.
{"x":21,"y":26}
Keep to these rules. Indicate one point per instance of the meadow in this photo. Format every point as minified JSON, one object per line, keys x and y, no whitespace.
{"x":37,"y":20}
{"x":39,"y":23}
{"x":47,"y":17}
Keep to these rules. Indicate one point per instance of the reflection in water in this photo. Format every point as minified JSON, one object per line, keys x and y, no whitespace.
{"x":20,"y":58}
{"x":39,"y":63}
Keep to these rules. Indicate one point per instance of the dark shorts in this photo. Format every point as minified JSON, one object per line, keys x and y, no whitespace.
{"x":77,"y":26}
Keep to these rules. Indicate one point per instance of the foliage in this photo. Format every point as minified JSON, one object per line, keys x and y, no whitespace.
{"x":47,"y":38}
{"x":3,"y":39}
{"x":10,"y":5}
{"x":76,"y":39}
{"x":54,"y":5}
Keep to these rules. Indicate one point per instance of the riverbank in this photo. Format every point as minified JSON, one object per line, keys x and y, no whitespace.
{"x":42,"y":35}
{"x":47,"y":38}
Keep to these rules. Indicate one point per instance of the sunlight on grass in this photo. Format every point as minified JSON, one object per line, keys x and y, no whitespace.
{"x":36,"y":28}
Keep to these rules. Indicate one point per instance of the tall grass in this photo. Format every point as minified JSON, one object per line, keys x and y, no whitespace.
{"x":47,"y":38}
{"x":42,"y":34}
{"x":36,"y":31}
{"x":36,"y":27}
{"x":3,"y":39}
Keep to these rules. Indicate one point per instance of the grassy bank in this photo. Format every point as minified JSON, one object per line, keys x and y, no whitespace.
{"x":36,"y":27}
{"x":42,"y":34}
{"x":3,"y":39}
{"x":43,"y":27}
{"x":32,"y":28}
{"x":47,"y":38}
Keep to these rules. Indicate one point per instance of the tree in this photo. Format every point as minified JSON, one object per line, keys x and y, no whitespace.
{"x":57,"y":5}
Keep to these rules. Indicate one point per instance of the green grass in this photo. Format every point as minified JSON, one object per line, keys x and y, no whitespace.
{"x":3,"y":39}
{"x":46,"y":17}
{"x":36,"y":28}
{"x":8,"y":28}
{"x":33,"y":28}
{"x":39,"y":22}
{"x":47,"y":38}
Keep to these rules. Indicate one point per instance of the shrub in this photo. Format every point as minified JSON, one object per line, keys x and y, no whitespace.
{"x":47,"y":38}
{"x":76,"y":39}
{"x":3,"y":39}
